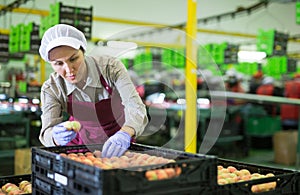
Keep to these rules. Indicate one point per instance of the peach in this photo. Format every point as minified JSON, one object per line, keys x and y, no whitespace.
{"x":72,"y":155}
{"x":129,"y":154}
{"x":104,"y":160}
{"x":159,"y":160}
{"x":222,"y":181}
{"x":108,"y":165}
{"x":170,"y":172}
{"x":97,"y":153}
{"x":92,"y":158}
{"x":223,"y":175}
{"x":74,"y":158}
{"x":171,"y":161}
{"x":143,"y":157}
{"x":270,"y":175}
{"x":255,"y":188}
{"x":151,"y":175}
{"x":230,"y":180}
{"x":178,"y":171}
{"x":245,"y":177}
{"x":231,"y":169}
{"x":28,"y":189}
{"x":124,"y":158}
{"x":271,"y":185}
{"x":12,"y":188}
{"x":76,"y":126}
{"x":87,"y":161}
{"x":124,"y":164}
{"x":88,"y":154}
{"x":98,"y":164}
{"x":256,"y":176}
{"x":68,"y":125}
{"x":244,"y":172}
{"x":115,"y":165}
{"x":224,"y":170}
{"x":114,"y":159}
{"x":72,"y":125}
{"x":23,"y":184}
{"x":137,"y":162}
{"x":63,"y":154}
{"x":80,"y":154}
{"x":150,"y":159}
{"x":161,"y":174}
{"x":7,"y":185}
{"x":15,"y":191}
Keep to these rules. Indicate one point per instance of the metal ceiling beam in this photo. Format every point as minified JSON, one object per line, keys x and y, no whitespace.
{"x":157,"y":26}
{"x":11,"y":6}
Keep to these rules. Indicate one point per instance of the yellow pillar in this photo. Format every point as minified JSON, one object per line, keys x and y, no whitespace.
{"x":191,"y":79}
{"x":43,"y":71}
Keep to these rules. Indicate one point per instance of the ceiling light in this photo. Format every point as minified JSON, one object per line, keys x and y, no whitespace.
{"x":251,"y":56}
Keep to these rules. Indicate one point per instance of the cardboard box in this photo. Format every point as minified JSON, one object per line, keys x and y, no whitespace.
{"x":285,"y":147}
{"x":22,"y":161}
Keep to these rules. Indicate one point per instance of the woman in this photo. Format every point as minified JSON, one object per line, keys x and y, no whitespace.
{"x":96,"y":91}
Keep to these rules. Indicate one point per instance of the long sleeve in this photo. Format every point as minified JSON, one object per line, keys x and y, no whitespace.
{"x":53,"y":104}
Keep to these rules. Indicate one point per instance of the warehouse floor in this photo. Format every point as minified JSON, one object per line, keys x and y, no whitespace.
{"x":263,"y":157}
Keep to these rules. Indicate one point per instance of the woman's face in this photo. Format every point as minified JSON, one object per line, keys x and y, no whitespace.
{"x":68,"y":63}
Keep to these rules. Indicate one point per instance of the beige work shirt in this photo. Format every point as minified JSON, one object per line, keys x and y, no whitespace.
{"x":55,"y":91}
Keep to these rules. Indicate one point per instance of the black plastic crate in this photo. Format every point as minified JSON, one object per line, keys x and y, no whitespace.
{"x":67,"y":176}
{"x":287,"y":180}
{"x":15,"y":179}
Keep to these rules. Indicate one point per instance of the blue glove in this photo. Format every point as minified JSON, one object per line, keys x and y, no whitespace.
{"x":116,"y":145}
{"x":61,"y":135}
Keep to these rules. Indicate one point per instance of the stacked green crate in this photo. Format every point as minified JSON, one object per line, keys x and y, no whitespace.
{"x":265,"y":41}
{"x":143,"y":62}
{"x":204,"y":55}
{"x":276,"y":66}
{"x":25,"y":32}
{"x":247,"y":68}
{"x":179,"y":58}
{"x":148,"y":60}
{"x":298,"y":12}
{"x":54,"y":13}
{"x":218,"y":52}
{"x":166,"y":59}
{"x":14,"y":38}
{"x":50,"y":20}
{"x":44,"y":25}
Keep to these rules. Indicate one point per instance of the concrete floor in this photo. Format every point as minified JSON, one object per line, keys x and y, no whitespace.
{"x":265,"y":157}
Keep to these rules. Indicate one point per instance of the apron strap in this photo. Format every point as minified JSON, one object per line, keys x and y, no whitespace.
{"x":103,"y":82}
{"x":105,"y":85}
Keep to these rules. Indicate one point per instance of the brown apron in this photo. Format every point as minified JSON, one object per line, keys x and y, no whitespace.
{"x":98,"y":120}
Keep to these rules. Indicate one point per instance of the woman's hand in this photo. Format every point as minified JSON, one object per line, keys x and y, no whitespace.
{"x":116,"y":145}
{"x":62,"y":135}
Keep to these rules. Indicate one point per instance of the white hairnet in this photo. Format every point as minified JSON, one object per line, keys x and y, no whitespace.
{"x":61,"y":34}
{"x":267,"y":80}
{"x":231,"y":73}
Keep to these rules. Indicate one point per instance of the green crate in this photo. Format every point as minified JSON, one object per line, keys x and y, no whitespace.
{"x":263,"y":125}
{"x":298,"y":12}
{"x":265,"y":41}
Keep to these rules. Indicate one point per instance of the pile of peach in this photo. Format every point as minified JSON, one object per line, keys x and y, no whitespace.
{"x":231,"y":174}
{"x":129,"y":159}
{"x":24,"y":187}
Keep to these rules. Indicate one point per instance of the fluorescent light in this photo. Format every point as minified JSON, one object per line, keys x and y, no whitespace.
{"x":251,"y":56}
